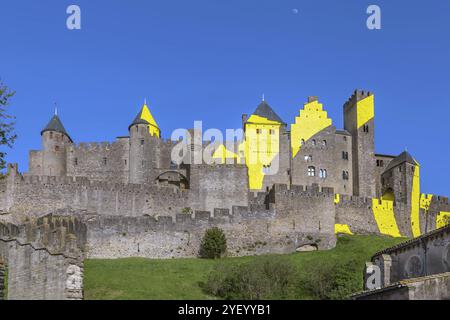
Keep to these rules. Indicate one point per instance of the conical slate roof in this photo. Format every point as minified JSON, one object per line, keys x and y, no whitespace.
{"x":139,"y":119}
{"x":56,"y":125}
{"x":265,"y":111}
{"x":144,"y":116}
{"x":403,"y":157}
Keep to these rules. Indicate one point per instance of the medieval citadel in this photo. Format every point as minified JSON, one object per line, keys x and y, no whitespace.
{"x":282,"y":188}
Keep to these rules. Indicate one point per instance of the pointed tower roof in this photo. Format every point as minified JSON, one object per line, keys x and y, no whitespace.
{"x":144,"y":116}
{"x":56,"y":125}
{"x":265,"y":111}
{"x":405,"y":156}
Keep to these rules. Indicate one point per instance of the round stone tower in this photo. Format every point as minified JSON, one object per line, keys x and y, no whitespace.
{"x":55,"y":141}
{"x":144,"y":138}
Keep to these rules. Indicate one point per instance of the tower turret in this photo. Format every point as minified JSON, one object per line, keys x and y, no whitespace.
{"x":144,"y":141}
{"x":359,"y":113}
{"x":401,"y":184}
{"x":55,"y":140}
{"x":266,"y":148}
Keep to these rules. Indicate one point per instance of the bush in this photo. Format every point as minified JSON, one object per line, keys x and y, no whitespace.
{"x":214,"y":244}
{"x":186,"y":210}
{"x":262,"y":278}
{"x":330,"y":280}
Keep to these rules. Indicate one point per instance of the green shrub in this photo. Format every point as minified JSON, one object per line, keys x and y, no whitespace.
{"x":186,"y":210}
{"x":262,"y":278}
{"x":330,"y":280}
{"x":214,"y":244}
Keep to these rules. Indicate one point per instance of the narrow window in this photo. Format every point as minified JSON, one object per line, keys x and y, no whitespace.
{"x":324,"y":143}
{"x":314,"y":142}
{"x":311,"y":171}
{"x":76,"y":161}
{"x":125,"y":160}
{"x":272,"y":132}
{"x":105,"y":161}
{"x":258,"y":131}
{"x":302,"y":143}
{"x":142,"y":142}
{"x":345,"y":138}
{"x":345,"y":175}
{"x":56,"y":148}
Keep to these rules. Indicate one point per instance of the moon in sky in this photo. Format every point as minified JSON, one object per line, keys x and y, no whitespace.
{"x":295,"y":11}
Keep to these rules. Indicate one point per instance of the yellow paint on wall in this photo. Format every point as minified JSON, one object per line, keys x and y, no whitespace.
{"x":365,"y":110}
{"x":342,"y":229}
{"x":311,"y":120}
{"x":442,"y":219}
{"x":261,"y":147}
{"x":337,"y":198}
{"x":388,"y":195}
{"x":383,"y":211}
{"x":425,"y":201}
{"x":415,"y":202}
{"x":147,"y":116}
{"x":223,"y":153}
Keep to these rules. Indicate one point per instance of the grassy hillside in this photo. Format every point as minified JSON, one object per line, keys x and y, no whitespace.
{"x":138,"y":278}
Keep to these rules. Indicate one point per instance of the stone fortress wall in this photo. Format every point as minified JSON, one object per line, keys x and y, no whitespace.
{"x":222,"y":187}
{"x":267,"y":226}
{"x":130,"y":199}
{"x":44,"y":258}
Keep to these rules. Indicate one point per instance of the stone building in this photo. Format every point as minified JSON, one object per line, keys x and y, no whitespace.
{"x":138,"y":175}
{"x":280,"y":189}
{"x":311,"y":150}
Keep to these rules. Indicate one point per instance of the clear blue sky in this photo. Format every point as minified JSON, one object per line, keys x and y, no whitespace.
{"x":211,"y":60}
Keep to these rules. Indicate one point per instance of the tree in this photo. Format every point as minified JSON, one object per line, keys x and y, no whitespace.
{"x":214,"y":244}
{"x":7,"y":123}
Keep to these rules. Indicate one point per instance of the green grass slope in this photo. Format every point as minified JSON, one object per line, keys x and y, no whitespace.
{"x":139,"y":278}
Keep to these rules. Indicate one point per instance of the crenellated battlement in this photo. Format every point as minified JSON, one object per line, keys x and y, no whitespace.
{"x":181,"y":222}
{"x":94,"y":146}
{"x":52,"y":181}
{"x":354,"y":201}
{"x":357,"y":96}
{"x":298,"y":190}
{"x":55,"y":234}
